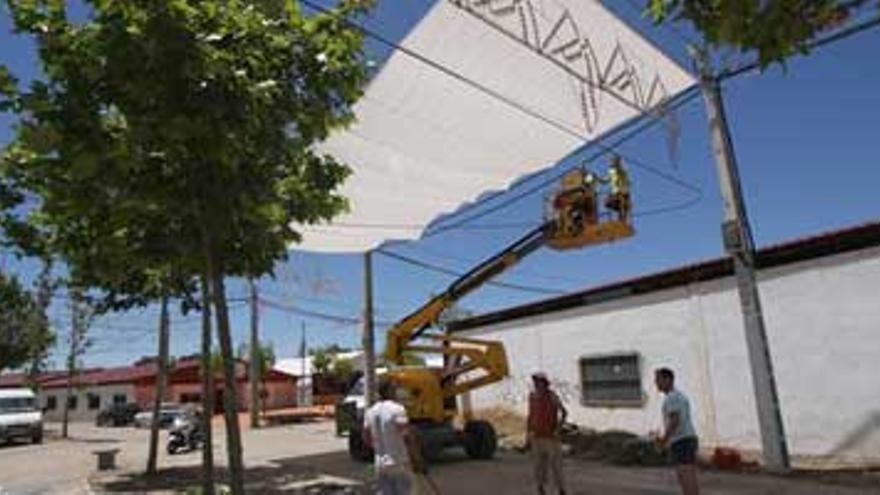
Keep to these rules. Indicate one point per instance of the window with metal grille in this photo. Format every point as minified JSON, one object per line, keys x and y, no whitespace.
{"x":71,"y":402}
{"x":94,"y":401}
{"x":611,"y":380}
{"x":120,"y":399}
{"x":51,"y":403}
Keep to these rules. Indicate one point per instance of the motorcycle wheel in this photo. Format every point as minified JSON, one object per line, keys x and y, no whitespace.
{"x":172,"y":448}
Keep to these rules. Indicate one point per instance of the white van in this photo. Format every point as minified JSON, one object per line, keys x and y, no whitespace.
{"x":19,"y":415}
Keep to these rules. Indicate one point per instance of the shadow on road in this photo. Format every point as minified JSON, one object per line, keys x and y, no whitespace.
{"x":509,"y":474}
{"x":324,"y":473}
{"x":94,"y":440}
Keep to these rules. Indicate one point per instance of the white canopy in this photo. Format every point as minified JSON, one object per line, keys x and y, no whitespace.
{"x":490,"y":90}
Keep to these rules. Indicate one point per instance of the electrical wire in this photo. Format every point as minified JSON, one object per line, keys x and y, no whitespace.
{"x":468,"y":81}
{"x":453,"y":273}
{"x":471,"y":262}
{"x":309,"y":313}
{"x":633,"y":128}
{"x":680,"y":100}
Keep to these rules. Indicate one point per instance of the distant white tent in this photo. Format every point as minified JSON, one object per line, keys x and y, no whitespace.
{"x":499,"y":89}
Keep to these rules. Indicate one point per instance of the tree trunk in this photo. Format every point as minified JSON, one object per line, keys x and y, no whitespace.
{"x":161,"y":378}
{"x":65,"y":415}
{"x":230,"y":401}
{"x":71,"y":358}
{"x":254,"y":371}
{"x":207,"y":392}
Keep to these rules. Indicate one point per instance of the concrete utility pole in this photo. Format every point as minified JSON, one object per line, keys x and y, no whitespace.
{"x":254,"y":373}
{"x":369,"y":343}
{"x":303,"y":361}
{"x":738,"y":242}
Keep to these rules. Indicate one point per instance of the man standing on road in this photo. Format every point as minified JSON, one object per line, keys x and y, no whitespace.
{"x":545,"y":420}
{"x":386,"y":429}
{"x":679,"y":435}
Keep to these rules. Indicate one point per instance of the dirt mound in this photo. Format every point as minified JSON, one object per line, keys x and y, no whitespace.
{"x":614,"y":446}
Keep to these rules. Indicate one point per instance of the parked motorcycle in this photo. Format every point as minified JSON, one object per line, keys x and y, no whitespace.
{"x":185,"y":433}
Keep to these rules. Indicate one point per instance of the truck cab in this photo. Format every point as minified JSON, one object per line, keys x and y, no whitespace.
{"x":19,"y":416}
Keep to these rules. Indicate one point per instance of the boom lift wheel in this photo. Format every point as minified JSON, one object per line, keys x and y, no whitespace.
{"x":480,"y":440}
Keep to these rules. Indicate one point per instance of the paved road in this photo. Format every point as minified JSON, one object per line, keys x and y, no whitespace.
{"x":54,"y":467}
{"x":283,"y":459}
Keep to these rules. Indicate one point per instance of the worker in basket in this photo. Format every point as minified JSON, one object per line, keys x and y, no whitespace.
{"x":575,"y":204}
{"x":619,"y":198}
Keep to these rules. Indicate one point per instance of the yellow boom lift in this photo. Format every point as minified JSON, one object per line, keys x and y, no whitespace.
{"x":430,"y":394}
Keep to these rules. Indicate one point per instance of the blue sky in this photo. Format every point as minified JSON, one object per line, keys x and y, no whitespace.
{"x":804,"y":137}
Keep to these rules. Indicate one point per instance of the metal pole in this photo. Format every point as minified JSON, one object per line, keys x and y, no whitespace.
{"x":255,"y":356}
{"x":368,"y":338}
{"x":738,"y":243}
{"x":303,"y":361}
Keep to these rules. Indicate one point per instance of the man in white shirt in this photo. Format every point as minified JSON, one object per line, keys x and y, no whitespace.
{"x":679,"y":435}
{"x":386,"y":429}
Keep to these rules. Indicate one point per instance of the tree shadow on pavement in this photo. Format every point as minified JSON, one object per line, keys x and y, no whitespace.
{"x":94,"y":440}
{"x":333,"y":473}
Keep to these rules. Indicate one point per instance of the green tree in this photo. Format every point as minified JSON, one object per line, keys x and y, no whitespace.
{"x":342,"y":369}
{"x":25,"y":335}
{"x":775,"y":29}
{"x":321,"y":360}
{"x":188,"y":127}
{"x":265,"y":355}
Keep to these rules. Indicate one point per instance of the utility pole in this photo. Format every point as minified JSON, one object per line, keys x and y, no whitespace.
{"x":303,"y":358}
{"x":254,"y":373}
{"x":368,"y":340}
{"x":738,"y":242}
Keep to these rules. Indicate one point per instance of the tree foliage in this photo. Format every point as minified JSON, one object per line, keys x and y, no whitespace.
{"x":265,"y":356}
{"x":174,"y":139}
{"x":25,"y":334}
{"x":343,"y":369}
{"x":322,"y":359}
{"x":775,"y":29}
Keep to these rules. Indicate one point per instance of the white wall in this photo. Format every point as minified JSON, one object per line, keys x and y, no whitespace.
{"x":82,"y":411}
{"x":823,"y":322}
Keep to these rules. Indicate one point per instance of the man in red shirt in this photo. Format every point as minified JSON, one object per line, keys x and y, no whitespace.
{"x":546,"y":416}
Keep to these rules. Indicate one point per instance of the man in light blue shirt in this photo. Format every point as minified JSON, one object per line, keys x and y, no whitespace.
{"x":678,"y":431}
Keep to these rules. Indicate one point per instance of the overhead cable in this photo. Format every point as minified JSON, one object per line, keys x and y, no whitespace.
{"x":347,"y":320}
{"x":677,"y":102}
{"x":453,"y":273}
{"x":547,"y":120}
{"x":471,"y":82}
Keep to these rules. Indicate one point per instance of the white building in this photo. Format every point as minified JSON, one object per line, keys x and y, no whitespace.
{"x":93,"y":391}
{"x":822,"y":313}
{"x":303,"y":368}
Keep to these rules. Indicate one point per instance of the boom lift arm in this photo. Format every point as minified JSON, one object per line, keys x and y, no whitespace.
{"x":473,"y":363}
{"x":429,"y":394}
{"x":414,"y":325}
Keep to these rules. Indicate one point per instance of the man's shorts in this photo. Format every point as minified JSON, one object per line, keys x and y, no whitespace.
{"x":684,"y":451}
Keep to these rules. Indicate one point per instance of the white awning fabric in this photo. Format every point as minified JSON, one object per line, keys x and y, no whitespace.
{"x":490,"y":91}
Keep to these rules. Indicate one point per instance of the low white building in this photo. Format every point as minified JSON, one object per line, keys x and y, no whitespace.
{"x":303,"y":369}
{"x":92,"y":392}
{"x":822,"y":312}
